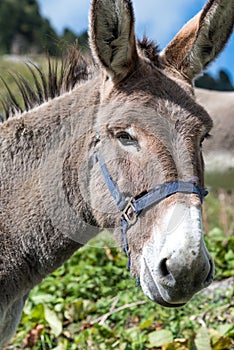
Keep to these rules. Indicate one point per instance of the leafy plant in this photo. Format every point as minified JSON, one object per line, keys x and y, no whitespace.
{"x":91,"y":303}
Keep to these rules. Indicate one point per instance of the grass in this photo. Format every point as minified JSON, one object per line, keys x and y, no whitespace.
{"x":92,"y":303}
{"x":11,"y":67}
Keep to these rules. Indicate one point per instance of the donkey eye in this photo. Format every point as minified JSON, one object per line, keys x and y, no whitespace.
{"x":206,"y":136}
{"x":126,"y":139}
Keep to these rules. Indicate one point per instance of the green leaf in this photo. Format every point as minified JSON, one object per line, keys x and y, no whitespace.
{"x":202,"y":339}
{"x":105,"y":331}
{"x":223,"y":329}
{"x":53,"y":320}
{"x":147,"y":323}
{"x":216,"y":234}
{"x":229,"y":255}
{"x":41,"y":298}
{"x":38,"y":313}
{"x":160,"y":338}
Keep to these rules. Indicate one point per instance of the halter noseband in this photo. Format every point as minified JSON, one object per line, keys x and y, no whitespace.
{"x":130,"y":207}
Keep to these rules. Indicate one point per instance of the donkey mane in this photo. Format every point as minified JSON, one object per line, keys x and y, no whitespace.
{"x":150,"y":49}
{"x":58,"y":78}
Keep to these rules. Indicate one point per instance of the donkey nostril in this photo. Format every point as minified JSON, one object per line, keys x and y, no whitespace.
{"x":210,"y":275}
{"x":163,"y":268}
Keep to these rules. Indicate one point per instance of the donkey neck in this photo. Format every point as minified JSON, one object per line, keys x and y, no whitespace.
{"x":35,"y":156}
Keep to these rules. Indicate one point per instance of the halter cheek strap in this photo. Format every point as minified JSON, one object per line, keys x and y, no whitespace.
{"x":130,"y":207}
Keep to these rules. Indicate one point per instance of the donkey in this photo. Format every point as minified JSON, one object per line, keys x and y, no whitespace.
{"x":121,"y":150}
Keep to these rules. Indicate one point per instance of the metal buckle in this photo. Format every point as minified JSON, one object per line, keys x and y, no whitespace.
{"x":129,"y":212}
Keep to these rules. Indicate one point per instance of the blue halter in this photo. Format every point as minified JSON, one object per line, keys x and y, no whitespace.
{"x":130,"y":207}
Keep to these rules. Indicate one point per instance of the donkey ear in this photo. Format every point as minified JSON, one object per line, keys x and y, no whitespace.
{"x":201,"y":39}
{"x":112,"y":38}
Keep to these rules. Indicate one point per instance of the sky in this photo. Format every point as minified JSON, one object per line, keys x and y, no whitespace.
{"x":160,"y":20}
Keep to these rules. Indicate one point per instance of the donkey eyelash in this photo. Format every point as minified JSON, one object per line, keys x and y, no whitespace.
{"x":125,"y":135}
{"x":205,"y":137}
{"x":208,"y":136}
{"x":126,"y":139}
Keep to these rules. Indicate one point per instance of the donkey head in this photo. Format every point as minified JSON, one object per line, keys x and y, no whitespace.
{"x":150,"y":131}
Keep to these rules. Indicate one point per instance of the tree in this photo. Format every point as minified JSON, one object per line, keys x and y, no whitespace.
{"x":69,"y":36}
{"x":22,"y":28}
{"x":83,"y":40}
{"x":222,"y":83}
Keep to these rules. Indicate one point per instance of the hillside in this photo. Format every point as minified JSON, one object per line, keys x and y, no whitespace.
{"x":24,"y":30}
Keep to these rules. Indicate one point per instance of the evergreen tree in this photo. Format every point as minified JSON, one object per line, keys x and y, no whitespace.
{"x":69,"y":36}
{"x":222,"y":83}
{"x":83,"y":40}
{"x":23,"y":28}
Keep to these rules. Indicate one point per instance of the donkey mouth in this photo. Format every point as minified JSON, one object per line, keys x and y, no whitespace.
{"x":170,"y":293}
{"x":151,"y":290}
{"x":163,"y":303}
{"x":153,"y":294}
{"x":174,"y":294}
